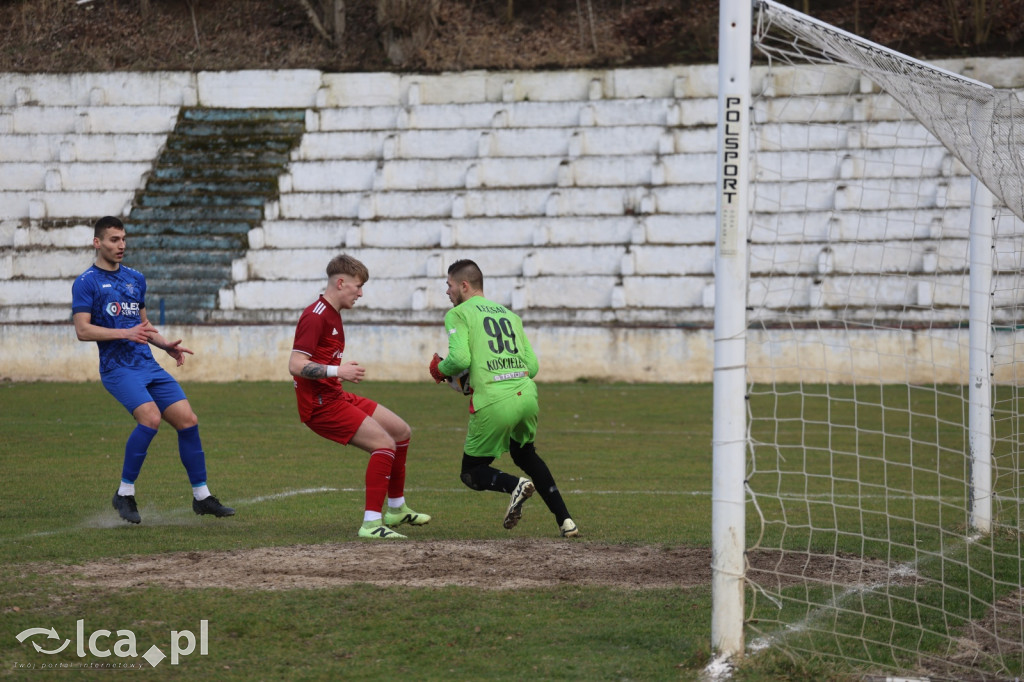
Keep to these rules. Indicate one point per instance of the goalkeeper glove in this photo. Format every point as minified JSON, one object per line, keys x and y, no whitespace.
{"x":436,"y":373}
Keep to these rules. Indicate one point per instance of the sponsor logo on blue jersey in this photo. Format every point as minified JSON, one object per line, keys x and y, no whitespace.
{"x":127,"y":308}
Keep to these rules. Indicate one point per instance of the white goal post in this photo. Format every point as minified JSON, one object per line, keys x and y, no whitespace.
{"x":728,"y":504}
{"x":867,"y":492}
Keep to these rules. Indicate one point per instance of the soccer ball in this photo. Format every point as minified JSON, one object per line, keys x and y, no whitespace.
{"x":460,"y":382}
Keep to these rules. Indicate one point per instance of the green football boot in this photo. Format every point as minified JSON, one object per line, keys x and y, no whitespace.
{"x":376,"y":530}
{"x":396,"y":516}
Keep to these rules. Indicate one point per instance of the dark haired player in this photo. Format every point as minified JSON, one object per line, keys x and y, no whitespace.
{"x":108,"y":306}
{"x":488,"y":339}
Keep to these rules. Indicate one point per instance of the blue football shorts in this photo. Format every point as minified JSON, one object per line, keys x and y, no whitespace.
{"x":134,"y":386}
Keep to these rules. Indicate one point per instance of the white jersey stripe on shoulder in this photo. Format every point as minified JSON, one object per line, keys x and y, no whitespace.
{"x":319,"y":307}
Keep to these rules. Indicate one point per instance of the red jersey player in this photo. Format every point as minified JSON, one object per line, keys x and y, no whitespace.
{"x":334,"y":413}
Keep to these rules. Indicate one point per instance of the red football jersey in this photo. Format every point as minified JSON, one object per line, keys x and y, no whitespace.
{"x":321,"y":336}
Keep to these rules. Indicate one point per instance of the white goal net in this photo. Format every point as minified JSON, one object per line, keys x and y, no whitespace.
{"x":884,"y":357}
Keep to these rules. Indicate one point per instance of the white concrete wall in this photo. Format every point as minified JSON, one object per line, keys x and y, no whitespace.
{"x":401,"y":353}
{"x":390,"y":353}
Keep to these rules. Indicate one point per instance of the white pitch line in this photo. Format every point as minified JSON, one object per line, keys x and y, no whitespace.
{"x":688,"y":493}
{"x":694,"y":493}
{"x":163,"y":518}
{"x":293,"y":493}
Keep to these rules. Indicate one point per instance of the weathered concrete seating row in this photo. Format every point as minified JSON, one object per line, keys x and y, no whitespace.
{"x":550,"y":171}
{"x":919,"y":256}
{"x":653,"y":229}
{"x":597,"y":113}
{"x":53,"y":148}
{"x":50,"y":120}
{"x":569,"y":141}
{"x":347,"y":175}
{"x":417,"y":299}
{"x":484,"y":232}
{"x":43,"y":205}
{"x":378,"y":133}
{"x":611,"y":200}
{"x":86,"y":176}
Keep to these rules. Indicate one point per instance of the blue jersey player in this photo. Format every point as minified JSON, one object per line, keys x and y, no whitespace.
{"x":108,"y":305}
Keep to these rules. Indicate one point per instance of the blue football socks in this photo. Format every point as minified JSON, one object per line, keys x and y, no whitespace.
{"x":135,"y":452}
{"x":190,"y":449}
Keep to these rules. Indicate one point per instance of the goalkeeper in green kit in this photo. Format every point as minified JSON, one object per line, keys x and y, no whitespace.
{"x":487,"y":339}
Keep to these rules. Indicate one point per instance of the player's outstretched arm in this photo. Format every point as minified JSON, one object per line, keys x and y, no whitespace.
{"x":172,"y":348}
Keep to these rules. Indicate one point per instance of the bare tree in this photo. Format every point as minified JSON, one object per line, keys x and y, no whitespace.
{"x":334,"y":19}
{"x":195,"y":23}
{"x":980,"y":20}
{"x":590,"y":21}
{"x":332,"y":27}
{"x":406,"y":26}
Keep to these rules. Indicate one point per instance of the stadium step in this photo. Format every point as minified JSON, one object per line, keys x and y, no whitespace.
{"x":241,"y":172}
{"x":200,"y":288}
{"x":201,"y":158}
{"x":146,"y":258}
{"x":161,"y":227}
{"x":218,"y":186}
{"x":249,"y":214}
{"x":208,"y":188}
{"x":189,"y":199}
{"x":196,"y":241}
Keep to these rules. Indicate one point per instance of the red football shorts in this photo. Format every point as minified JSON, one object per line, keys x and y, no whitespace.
{"x":339,"y":419}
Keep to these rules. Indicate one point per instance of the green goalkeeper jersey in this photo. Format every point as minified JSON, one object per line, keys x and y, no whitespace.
{"x":488,"y":339}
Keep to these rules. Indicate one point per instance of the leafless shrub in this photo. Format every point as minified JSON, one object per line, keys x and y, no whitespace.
{"x":406,"y":27}
{"x":977,"y":23}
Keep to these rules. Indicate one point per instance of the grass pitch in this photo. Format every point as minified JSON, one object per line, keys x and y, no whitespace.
{"x":633,"y":462}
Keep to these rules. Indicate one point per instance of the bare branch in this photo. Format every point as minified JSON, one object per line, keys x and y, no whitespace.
{"x":315,"y":20}
{"x":195,"y":25}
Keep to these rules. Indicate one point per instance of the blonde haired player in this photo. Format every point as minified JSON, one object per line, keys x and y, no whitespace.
{"x":316,"y":363}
